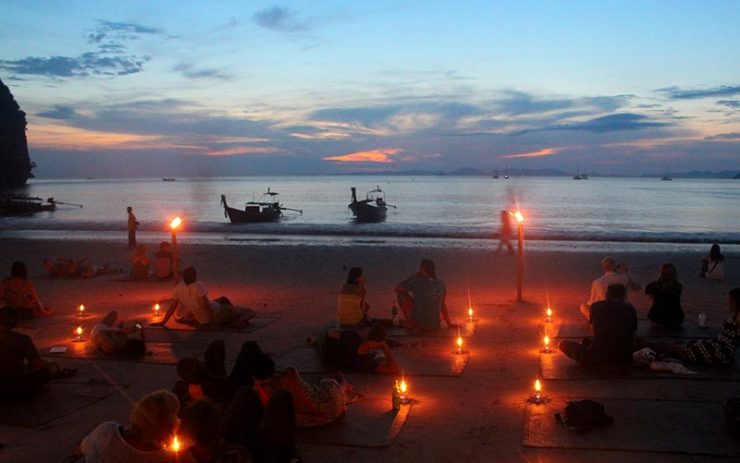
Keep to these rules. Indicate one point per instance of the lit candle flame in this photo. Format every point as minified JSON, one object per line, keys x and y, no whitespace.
{"x":537,"y":386}
{"x":459,"y":342}
{"x":549,"y":314}
{"x":518,"y":216}
{"x":175,"y":446}
{"x":156,"y":309}
{"x":403,"y":387}
{"x":78,"y":331}
{"x":470,"y":313}
{"x":81,"y":309}
{"x":176,"y":222}
{"x":547,"y":343}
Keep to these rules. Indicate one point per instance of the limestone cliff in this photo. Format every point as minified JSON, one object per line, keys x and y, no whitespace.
{"x":15,"y":165}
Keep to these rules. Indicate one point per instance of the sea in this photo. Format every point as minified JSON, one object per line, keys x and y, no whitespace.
{"x":560,"y":213}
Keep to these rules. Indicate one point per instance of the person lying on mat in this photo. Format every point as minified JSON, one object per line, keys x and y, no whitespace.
{"x":62,"y":267}
{"x":717,"y":351}
{"x":152,"y":423}
{"x":422,"y":299}
{"x":23,"y":373}
{"x":125,"y":338}
{"x":190,"y":299}
{"x":347,"y":348}
{"x":613,"y":326}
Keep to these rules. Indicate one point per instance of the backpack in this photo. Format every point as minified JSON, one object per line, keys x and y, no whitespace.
{"x":584,"y":415}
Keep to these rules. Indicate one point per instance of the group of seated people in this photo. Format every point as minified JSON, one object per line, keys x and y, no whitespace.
{"x":63,"y":267}
{"x":613,"y":322}
{"x":165,"y":263}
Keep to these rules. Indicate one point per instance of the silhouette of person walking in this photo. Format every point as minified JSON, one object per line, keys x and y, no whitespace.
{"x":505,"y":234}
{"x":133,"y":224}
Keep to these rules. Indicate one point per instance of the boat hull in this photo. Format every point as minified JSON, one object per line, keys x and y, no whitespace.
{"x":265,"y":215}
{"x":365,"y":212}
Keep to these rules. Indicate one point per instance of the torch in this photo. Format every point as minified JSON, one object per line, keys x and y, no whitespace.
{"x":176,"y":222}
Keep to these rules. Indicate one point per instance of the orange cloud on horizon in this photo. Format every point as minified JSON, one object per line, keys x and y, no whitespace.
{"x":65,"y":137}
{"x":533,"y":154}
{"x":382,"y":156}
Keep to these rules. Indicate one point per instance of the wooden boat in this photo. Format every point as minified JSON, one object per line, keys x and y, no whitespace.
{"x":371,"y":209}
{"x":257,"y":211}
{"x":19,"y":205}
{"x":168,"y":179}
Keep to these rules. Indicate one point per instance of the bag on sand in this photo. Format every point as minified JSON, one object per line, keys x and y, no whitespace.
{"x":584,"y":415}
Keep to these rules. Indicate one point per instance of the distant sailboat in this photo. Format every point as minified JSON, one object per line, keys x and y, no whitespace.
{"x":578,"y":175}
{"x":495,"y":173}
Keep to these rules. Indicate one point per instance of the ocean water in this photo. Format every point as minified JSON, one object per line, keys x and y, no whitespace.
{"x":427,"y":207}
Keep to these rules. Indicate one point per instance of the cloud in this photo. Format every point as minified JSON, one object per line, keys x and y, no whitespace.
{"x":677,"y":93}
{"x":611,"y":123}
{"x":188,"y":70}
{"x":279,"y":19}
{"x":725,"y":136}
{"x":520,"y":103}
{"x":382,"y":156}
{"x":110,"y":57}
{"x":58,"y":112}
{"x":732,"y":104}
{"x":533,"y":154}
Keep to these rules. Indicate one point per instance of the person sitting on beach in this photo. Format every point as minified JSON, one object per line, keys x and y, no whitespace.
{"x":60,"y":267}
{"x":200,"y":430}
{"x":422,"y":299}
{"x":632,"y":284}
{"x":153,"y":422}
{"x":348,"y":349}
{"x":18,"y":293}
{"x":717,"y":351}
{"x":22,"y":371}
{"x":666,"y":292}
{"x":352,"y":308}
{"x":600,"y":285}
{"x":164,"y":261}
{"x":613,"y":326}
{"x":140,"y":263}
{"x":713,"y":265}
{"x":126,"y":339}
{"x":191,"y":297}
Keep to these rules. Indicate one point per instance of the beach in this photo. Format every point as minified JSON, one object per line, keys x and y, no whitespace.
{"x":474,"y":417}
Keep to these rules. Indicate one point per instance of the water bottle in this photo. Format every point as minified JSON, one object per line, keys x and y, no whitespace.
{"x":396,"y":396}
{"x":702,"y":319}
{"x":394,"y":312}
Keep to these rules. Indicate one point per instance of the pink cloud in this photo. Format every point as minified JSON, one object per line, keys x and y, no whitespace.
{"x":382,"y":156}
{"x":533,"y":154}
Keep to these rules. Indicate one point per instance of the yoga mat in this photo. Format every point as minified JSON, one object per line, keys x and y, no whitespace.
{"x":370,"y":422}
{"x":157,"y":353}
{"x":579,"y":328}
{"x":415,"y":361}
{"x":57,"y":400}
{"x":668,"y":426}
{"x":177,"y":332}
{"x":557,"y":366}
{"x":467,"y":330}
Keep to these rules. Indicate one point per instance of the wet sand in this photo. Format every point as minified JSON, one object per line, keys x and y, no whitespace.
{"x":475,"y":417}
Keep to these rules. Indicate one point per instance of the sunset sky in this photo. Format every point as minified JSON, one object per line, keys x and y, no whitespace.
{"x":152,"y":88}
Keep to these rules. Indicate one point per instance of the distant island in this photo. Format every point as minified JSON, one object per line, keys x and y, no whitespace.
{"x":474,"y":172}
{"x":15,"y":164}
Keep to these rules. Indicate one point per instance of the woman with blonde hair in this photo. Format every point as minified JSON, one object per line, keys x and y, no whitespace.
{"x":152,"y":423}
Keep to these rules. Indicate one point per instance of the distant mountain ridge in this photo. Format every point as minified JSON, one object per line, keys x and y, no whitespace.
{"x":474,"y":172}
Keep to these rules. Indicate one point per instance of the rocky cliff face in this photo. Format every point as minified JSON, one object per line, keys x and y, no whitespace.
{"x":15,"y":165}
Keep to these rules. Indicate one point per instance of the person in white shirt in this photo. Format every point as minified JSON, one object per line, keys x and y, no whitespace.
{"x":600,"y":285}
{"x":190,"y":299}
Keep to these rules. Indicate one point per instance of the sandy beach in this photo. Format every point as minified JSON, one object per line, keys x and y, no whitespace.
{"x":474,"y":417}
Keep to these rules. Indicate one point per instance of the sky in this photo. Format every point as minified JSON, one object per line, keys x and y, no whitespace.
{"x":186,"y":88}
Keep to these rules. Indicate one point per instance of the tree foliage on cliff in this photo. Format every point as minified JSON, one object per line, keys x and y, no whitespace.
{"x":15,"y":165}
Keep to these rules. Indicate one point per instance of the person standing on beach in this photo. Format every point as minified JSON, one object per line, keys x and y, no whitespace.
{"x":504,"y":234}
{"x":422,"y":299}
{"x":600,"y":285}
{"x":133,"y":224}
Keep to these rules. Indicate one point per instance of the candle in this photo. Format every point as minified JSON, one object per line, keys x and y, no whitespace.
{"x":403,"y":388}
{"x":78,"y":332}
{"x":549,"y":315}
{"x":547,"y":344}
{"x":175,"y":446}
{"x":537,"y":390}
{"x":459,"y":344}
{"x":470,"y":314}
{"x":81,"y":310}
{"x":156,"y":310}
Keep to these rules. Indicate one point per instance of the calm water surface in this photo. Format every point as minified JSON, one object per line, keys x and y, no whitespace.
{"x":556,"y":209}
